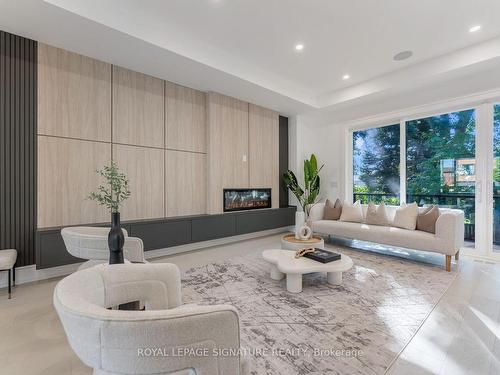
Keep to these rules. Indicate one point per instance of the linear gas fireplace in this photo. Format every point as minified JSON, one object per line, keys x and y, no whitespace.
{"x":246,"y":199}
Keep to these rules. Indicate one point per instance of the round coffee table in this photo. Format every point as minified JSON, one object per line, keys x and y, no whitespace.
{"x":289,"y":242}
{"x":283,"y":262}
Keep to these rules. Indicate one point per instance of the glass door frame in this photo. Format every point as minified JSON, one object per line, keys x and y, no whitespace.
{"x":483,"y":247}
{"x":484,"y":184}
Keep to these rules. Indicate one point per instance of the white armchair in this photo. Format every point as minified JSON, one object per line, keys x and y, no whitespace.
{"x":186,"y":339}
{"x":92,"y":243}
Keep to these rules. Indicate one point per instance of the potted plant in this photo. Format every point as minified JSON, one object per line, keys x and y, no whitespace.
{"x":112,"y":195}
{"x":307,"y":195}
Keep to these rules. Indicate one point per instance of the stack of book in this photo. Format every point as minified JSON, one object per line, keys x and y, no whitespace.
{"x":323,"y":256}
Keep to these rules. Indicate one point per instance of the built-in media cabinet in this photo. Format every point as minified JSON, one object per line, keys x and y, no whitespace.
{"x":168,"y":232}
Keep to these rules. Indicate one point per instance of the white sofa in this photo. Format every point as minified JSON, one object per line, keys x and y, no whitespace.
{"x":124,"y":342}
{"x":448,"y":240}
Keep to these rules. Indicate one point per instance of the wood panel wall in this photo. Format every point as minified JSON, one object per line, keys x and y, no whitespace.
{"x":186,"y":143}
{"x":263,"y":149}
{"x":18,"y":107}
{"x":243,"y":148}
{"x":94,"y":113}
{"x":74,"y":135}
{"x":66,"y":175}
{"x":74,"y":95}
{"x":178,"y":146}
{"x":227,"y":147}
{"x":186,"y":119}
{"x":145,"y":168}
{"x":186,"y":183}
{"x":138,"y":109}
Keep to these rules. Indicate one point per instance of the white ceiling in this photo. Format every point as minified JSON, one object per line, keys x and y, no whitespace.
{"x":246,"y":48}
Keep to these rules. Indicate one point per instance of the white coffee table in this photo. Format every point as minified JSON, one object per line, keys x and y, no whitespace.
{"x":284,"y":262}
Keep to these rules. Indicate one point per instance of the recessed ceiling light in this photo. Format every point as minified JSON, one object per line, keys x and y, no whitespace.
{"x":299,"y":47}
{"x":403,"y":55}
{"x":473,"y":29}
{"x":346,"y":77}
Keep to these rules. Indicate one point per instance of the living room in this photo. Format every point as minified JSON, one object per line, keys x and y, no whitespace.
{"x":278,"y":187}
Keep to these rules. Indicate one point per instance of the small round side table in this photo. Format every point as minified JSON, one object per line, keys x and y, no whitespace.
{"x":289,"y":242}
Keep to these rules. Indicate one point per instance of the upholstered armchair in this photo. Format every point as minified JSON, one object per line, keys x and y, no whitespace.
{"x":92,"y":243}
{"x":166,"y":338}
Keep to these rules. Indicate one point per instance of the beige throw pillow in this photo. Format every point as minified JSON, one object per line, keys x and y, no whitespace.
{"x":376,"y":215}
{"x":406,"y":216}
{"x":332,"y":211}
{"x":352,"y":212}
{"x":426,"y":220}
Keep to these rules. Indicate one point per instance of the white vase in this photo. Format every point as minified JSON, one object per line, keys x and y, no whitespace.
{"x":299,"y":222}
{"x":305,"y":233}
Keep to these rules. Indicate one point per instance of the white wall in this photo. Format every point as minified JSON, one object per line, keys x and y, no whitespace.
{"x":328,"y":144}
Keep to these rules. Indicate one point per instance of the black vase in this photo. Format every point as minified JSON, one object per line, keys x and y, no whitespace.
{"x":116,"y":239}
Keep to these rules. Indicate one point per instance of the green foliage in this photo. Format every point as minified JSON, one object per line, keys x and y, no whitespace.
{"x":429,"y":141}
{"x":309,"y":194}
{"x":433,"y":139}
{"x":114,"y":192}
{"x":376,"y":159}
{"x":496,"y":170}
{"x":377,"y":197}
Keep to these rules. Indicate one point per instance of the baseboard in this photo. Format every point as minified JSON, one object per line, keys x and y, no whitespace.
{"x":481,"y":258}
{"x":28,"y":274}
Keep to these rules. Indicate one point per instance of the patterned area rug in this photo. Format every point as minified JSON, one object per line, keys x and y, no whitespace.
{"x":356,"y":328}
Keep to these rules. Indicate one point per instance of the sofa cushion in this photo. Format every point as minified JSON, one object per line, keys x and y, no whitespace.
{"x":427,"y":218}
{"x":352,"y":212}
{"x":406,"y":216}
{"x":376,"y":215}
{"x":332,"y":211}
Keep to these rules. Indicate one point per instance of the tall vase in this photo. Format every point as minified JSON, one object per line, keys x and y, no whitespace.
{"x":299,"y":222}
{"x":116,"y":239}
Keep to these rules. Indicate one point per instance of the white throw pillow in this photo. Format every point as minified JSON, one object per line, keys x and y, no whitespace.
{"x":406,"y":216}
{"x":376,"y":215}
{"x":352,"y":212}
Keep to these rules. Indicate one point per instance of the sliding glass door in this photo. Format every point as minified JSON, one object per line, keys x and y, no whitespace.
{"x":441,"y":164}
{"x":376,"y":156}
{"x":451,"y":160}
{"x":496,"y":179}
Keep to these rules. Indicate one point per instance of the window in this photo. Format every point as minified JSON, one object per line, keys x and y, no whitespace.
{"x":376,"y":165}
{"x":496,"y":178}
{"x":440,"y":167}
{"x":440,"y":163}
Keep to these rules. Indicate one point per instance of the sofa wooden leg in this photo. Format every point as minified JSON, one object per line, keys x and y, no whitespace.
{"x":457,"y":255}
{"x":448,"y":263}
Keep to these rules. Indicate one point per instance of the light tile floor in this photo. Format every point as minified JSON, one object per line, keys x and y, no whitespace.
{"x":460,"y":336}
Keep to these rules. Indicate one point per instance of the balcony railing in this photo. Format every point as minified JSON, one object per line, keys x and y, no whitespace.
{"x":462,"y":201}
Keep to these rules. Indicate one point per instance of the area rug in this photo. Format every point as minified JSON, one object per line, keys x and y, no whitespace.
{"x":356,"y":328}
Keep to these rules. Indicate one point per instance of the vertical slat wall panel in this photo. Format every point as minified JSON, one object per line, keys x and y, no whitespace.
{"x":283,"y":159}
{"x":18,"y":78}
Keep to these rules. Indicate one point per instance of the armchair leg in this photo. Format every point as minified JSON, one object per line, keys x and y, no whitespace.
{"x":457,"y":255}
{"x":10,"y":287}
{"x":448,"y":263}
{"x":13,"y":276}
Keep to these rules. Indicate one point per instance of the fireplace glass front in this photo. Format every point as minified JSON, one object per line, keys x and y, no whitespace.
{"x":246,"y":199}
